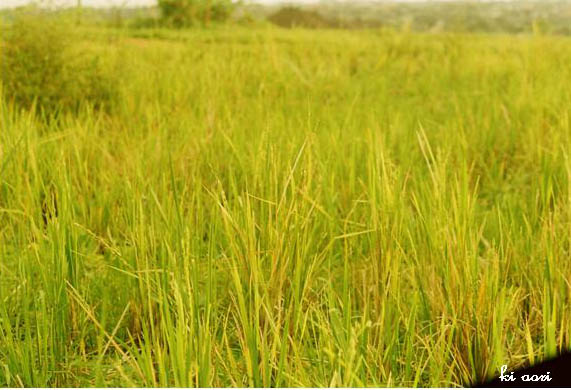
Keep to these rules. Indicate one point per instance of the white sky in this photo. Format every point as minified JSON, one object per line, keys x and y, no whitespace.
{"x":87,"y":3}
{"x":108,"y":3}
{"x":126,"y":3}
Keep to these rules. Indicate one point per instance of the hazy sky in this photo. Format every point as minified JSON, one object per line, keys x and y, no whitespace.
{"x":96,"y":3}
{"x":104,"y":3}
{"x":125,"y":3}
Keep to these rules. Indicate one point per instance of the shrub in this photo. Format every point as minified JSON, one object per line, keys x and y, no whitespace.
{"x":290,"y":17}
{"x":43,"y":66}
{"x":183,"y":13}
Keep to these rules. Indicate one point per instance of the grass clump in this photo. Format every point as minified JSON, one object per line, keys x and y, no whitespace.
{"x":42,"y":66}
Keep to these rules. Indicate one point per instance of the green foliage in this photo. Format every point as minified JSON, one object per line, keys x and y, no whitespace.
{"x":183,"y":13}
{"x":43,"y":66}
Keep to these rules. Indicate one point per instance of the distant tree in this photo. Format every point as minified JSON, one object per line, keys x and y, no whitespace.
{"x":182,"y":13}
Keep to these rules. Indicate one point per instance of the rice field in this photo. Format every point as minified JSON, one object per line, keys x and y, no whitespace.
{"x":267,"y":207}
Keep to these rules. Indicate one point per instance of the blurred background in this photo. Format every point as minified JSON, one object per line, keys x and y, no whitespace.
{"x":496,"y":16}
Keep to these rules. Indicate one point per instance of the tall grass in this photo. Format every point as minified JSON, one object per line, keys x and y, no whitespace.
{"x":292,"y":208}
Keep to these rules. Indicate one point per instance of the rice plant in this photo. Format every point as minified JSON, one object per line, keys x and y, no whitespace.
{"x":266,"y":207}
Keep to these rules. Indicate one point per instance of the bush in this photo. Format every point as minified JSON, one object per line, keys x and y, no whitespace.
{"x":183,"y":13}
{"x":290,"y":17}
{"x":42,"y":66}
